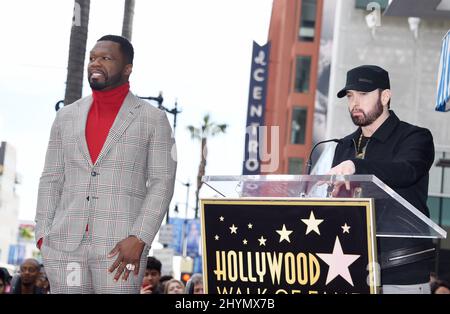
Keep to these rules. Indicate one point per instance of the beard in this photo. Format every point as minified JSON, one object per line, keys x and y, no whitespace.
{"x":370,"y":117}
{"x":114,"y":80}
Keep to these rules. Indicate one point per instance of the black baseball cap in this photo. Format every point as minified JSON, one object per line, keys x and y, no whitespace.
{"x":365,"y":78}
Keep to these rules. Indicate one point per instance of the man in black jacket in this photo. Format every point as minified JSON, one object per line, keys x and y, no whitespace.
{"x":400,"y":155}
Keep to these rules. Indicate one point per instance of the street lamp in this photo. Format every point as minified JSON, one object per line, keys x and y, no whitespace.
{"x":174,"y":111}
{"x":58,"y":104}
{"x":185,"y":231}
{"x":158,"y":99}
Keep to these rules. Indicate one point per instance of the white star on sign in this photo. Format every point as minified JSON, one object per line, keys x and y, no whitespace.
{"x":233,"y":229}
{"x":221,"y":218}
{"x":284,"y":234}
{"x":312,"y":223}
{"x":216,"y":237}
{"x":345,"y":228}
{"x":338,"y":263}
{"x":245,"y":241}
{"x":262,"y":241}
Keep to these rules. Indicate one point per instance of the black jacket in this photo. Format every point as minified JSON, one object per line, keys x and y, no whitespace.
{"x":400,"y":155}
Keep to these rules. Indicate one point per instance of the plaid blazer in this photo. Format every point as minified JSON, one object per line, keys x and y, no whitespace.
{"x":126,"y":192}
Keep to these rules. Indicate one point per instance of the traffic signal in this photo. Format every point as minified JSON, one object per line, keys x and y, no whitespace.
{"x":185,"y":277}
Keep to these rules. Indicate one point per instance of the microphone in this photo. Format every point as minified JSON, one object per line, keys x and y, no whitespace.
{"x":309,"y":163}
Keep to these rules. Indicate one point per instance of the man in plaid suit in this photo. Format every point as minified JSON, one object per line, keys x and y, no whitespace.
{"x":107,"y":181}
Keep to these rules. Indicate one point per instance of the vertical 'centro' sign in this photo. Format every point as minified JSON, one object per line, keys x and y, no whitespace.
{"x":256,"y":108}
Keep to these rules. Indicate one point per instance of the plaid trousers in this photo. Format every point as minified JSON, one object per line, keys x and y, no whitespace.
{"x":85,"y":270}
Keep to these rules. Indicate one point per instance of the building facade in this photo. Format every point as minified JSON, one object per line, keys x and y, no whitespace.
{"x":294,"y":35}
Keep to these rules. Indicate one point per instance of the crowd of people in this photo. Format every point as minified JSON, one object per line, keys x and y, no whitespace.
{"x":154,"y":283}
{"x":32,"y":279}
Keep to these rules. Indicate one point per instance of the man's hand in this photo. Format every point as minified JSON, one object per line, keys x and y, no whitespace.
{"x":130,"y":251}
{"x":346,"y":167}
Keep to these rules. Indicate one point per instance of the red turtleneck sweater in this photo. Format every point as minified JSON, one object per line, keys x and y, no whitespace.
{"x":103,"y":112}
{"x":101,"y":117}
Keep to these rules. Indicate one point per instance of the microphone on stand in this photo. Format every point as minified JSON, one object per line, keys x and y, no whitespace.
{"x":309,"y":163}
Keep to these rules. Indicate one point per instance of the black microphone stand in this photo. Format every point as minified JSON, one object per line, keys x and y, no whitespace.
{"x":309,"y":163}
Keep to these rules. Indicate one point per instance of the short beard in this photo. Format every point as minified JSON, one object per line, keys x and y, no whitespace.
{"x":371,"y":116}
{"x":97,"y":85}
{"x":114,"y":80}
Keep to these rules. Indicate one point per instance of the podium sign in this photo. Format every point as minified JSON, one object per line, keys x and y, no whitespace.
{"x":289,"y":245}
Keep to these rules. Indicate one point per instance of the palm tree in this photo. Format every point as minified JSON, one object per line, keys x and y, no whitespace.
{"x":206,"y":130}
{"x":128,"y":15}
{"x":77,"y":51}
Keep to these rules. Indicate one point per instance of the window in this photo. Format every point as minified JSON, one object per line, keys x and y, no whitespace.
{"x":440,"y":214}
{"x":302,"y":70}
{"x":298,"y":125}
{"x":440,"y":174}
{"x":307,"y":20}
{"x":439,"y":210}
{"x":295,"y":166}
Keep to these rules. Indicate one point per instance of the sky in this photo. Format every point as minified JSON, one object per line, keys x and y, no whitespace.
{"x":197,"y":52}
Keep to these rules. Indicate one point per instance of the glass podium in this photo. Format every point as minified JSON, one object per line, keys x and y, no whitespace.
{"x":395,"y":217}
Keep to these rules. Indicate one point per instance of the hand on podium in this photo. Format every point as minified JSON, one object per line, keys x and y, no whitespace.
{"x":345,"y":168}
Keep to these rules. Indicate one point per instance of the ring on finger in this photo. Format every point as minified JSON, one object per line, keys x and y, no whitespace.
{"x":130,"y":267}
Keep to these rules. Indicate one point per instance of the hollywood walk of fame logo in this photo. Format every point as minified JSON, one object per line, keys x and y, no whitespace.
{"x":268,"y":246}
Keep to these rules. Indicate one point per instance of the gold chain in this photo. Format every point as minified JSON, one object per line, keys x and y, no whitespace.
{"x":359,"y":155}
